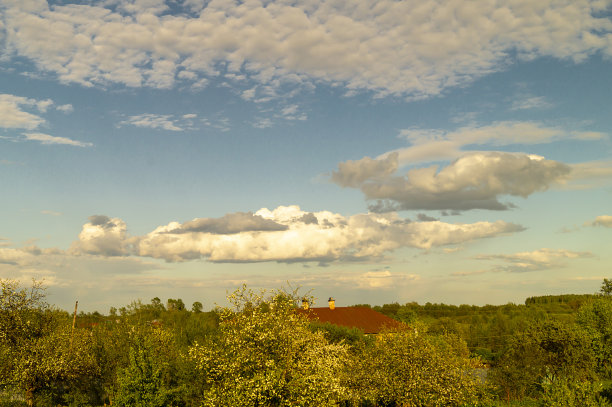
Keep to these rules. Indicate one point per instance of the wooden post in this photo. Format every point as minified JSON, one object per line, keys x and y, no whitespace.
{"x":73,"y":323}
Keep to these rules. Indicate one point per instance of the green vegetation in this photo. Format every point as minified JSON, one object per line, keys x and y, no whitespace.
{"x":550,"y":351}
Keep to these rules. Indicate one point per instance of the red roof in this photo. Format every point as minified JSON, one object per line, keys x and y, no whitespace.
{"x":364,"y":318}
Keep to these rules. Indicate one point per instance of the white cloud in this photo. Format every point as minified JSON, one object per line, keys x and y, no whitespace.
{"x":67,"y":108}
{"x":102,"y":236}
{"x":219,"y":122}
{"x":47,"y":139}
{"x":590,"y":174}
{"x":474,"y":181}
{"x":154,"y":121}
{"x":542,"y":259}
{"x":433,"y":145}
{"x":414,"y":48}
{"x":531,"y":103}
{"x":305,"y":236}
{"x":12,"y":116}
{"x":603,"y":220}
{"x":263,"y":123}
{"x":52,"y":213}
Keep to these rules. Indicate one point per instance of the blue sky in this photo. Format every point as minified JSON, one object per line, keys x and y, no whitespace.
{"x":375,"y":151}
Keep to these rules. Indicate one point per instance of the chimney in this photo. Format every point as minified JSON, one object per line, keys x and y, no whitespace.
{"x":305,"y":304}
{"x":332,"y":303}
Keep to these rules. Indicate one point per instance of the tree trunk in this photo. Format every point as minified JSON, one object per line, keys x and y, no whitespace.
{"x":30,"y":396}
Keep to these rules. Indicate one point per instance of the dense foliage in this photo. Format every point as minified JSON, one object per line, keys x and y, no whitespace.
{"x":551,"y":351}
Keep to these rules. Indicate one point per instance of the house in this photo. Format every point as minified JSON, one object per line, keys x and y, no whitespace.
{"x":363,"y":318}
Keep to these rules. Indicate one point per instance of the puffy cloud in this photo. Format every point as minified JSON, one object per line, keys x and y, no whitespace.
{"x":102,"y":236}
{"x":354,"y":173}
{"x":603,"y":220}
{"x":474,"y":181}
{"x":47,"y":139}
{"x":67,"y":108}
{"x":542,"y":259}
{"x":296,"y":236}
{"x":414,"y":47}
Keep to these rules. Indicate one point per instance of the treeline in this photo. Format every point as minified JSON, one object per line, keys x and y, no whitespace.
{"x":260,"y":352}
{"x":487,"y":329}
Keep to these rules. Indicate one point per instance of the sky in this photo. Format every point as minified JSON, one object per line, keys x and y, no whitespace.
{"x":374,"y":151}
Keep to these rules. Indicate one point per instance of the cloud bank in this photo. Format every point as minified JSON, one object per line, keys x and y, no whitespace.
{"x":413,"y":48}
{"x":285,"y":234}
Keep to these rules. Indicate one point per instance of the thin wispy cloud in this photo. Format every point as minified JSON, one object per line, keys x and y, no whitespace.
{"x":154,"y":121}
{"x":51,"y":213}
{"x":51,"y":140}
{"x":537,"y":260}
{"x":530,"y":103}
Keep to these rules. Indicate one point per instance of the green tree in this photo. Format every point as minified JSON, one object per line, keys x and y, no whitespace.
{"x":567,"y":392}
{"x":606,"y":287}
{"x":175,"y":305}
{"x":414,"y":369}
{"x":596,"y":318}
{"x":544,"y":353}
{"x":197,"y":307}
{"x":149,"y":378}
{"x":38,"y":349}
{"x":265,"y":355}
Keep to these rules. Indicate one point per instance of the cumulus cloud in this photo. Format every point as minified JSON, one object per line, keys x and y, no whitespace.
{"x":474,"y":181}
{"x":603,"y":220}
{"x":542,"y":259}
{"x":102,"y":236}
{"x":47,"y":139}
{"x":413,"y":48}
{"x":354,"y":173}
{"x":294,"y":235}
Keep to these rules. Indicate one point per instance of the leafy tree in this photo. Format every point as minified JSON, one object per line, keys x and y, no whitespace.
{"x":339,"y":334}
{"x":197,"y":307}
{"x":148,"y":380}
{"x":39,"y":351}
{"x":412,"y":369}
{"x":544,"y":353}
{"x":266,"y":355}
{"x":596,"y":318}
{"x":175,"y":305}
{"x":606,"y":287}
{"x":567,"y":392}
